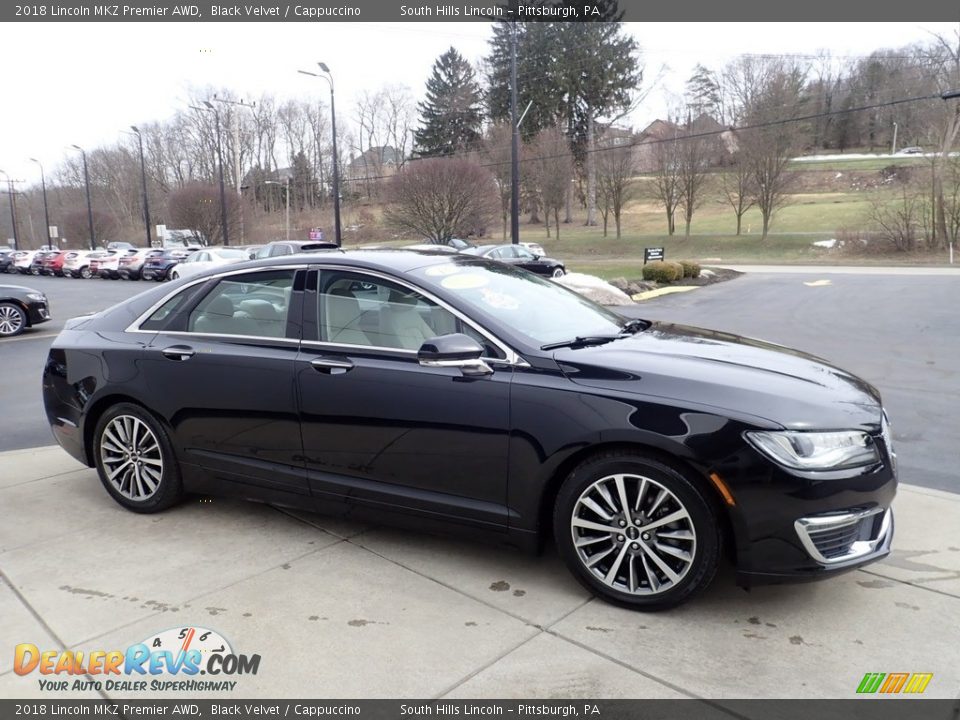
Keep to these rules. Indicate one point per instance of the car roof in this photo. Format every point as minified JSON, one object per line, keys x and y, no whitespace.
{"x":390,"y":259}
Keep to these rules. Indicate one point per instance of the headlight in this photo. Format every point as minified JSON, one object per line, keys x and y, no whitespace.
{"x":816,"y":450}
{"x":37,"y":297}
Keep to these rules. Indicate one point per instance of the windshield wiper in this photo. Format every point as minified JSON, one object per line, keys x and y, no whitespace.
{"x":581,"y":341}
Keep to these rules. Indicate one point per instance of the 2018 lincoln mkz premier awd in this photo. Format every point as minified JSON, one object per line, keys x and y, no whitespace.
{"x":446,"y":391}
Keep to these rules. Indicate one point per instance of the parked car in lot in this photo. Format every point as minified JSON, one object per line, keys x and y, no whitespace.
{"x":205,"y":260}
{"x":158,"y":267}
{"x":130,"y":265}
{"x":521,"y":257}
{"x":23,"y":260}
{"x":21,"y":308}
{"x":77,"y":263}
{"x":448,"y":391}
{"x":107,"y":267}
{"x":912,"y":150}
{"x":6,"y":261}
{"x":37,"y":264}
{"x":53,"y":262}
{"x":280,"y":248}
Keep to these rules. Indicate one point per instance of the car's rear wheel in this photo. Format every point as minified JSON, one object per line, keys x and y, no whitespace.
{"x":135,"y":459}
{"x":636,"y":531}
{"x":85,"y":272}
{"x":12,"y":319}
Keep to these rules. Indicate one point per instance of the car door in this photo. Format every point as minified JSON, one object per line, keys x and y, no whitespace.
{"x":221,"y":369}
{"x":382,"y":431}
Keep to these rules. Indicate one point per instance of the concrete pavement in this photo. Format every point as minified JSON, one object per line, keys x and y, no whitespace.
{"x":340,"y":609}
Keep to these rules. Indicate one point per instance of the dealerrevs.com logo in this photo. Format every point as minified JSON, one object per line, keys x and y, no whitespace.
{"x":172,"y":660}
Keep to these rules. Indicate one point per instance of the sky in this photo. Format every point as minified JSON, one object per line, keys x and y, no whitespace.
{"x":85,"y":83}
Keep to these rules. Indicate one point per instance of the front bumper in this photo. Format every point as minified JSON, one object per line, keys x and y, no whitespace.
{"x":38,"y":312}
{"x":795,"y":526}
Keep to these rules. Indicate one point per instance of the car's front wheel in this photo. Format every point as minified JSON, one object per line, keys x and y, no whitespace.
{"x":12,"y":319}
{"x":636,"y":531}
{"x":135,"y":459}
{"x":85,"y":272}
{"x":558,"y":272}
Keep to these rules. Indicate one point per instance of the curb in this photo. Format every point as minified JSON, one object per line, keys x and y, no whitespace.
{"x":650,"y":294}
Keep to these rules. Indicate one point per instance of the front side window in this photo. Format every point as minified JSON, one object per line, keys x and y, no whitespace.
{"x":254,"y":304}
{"x":540,"y":309}
{"x":357,"y":309}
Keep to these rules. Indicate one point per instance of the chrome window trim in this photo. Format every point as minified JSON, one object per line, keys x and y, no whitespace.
{"x":134,"y":327}
{"x":512,"y":357}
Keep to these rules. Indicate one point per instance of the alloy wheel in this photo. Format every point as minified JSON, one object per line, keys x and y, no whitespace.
{"x":131,"y":457}
{"x":633,"y":534}
{"x":558,"y":273}
{"x":11,"y":320}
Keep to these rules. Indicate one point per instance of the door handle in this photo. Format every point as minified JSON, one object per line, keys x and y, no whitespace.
{"x":178,"y":352}
{"x":331,"y":366}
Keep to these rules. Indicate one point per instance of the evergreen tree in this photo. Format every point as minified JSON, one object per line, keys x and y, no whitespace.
{"x":703,"y":94}
{"x":451,"y":113}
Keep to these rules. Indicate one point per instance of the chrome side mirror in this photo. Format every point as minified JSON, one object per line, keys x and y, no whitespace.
{"x":454,"y":351}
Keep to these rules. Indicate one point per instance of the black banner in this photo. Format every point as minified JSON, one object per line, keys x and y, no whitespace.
{"x":859,"y":709}
{"x":325,"y":11}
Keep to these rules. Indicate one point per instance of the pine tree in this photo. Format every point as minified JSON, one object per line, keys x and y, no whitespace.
{"x":703,"y":93}
{"x":451,"y":113}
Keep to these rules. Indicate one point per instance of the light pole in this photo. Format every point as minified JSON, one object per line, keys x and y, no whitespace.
{"x":328,"y":76}
{"x":13,"y":210}
{"x":86,"y":181}
{"x":143,"y":178}
{"x":236,"y":151}
{"x":46,"y":209}
{"x":223,"y":191}
{"x":286,"y":190}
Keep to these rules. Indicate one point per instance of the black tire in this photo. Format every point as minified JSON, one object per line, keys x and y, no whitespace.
{"x":85,"y":272}
{"x":168,"y":489}
{"x":700,"y":567}
{"x":13,"y":320}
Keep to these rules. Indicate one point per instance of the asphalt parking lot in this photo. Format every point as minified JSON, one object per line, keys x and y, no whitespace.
{"x":340,"y":609}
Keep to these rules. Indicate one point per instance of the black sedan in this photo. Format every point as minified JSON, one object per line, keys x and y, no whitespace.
{"x":448,"y":391}
{"x":20,"y":308}
{"x":520,"y":257}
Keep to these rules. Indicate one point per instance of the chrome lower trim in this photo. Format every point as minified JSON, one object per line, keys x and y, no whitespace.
{"x":859,"y":549}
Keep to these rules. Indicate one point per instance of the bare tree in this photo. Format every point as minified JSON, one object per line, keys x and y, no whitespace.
{"x":496,"y":156}
{"x":441,"y":198}
{"x":197,"y":206}
{"x":736,"y":185}
{"x":766,"y":93}
{"x":553,"y":170}
{"x":615,"y":166}
{"x":693,"y":155}
{"x":666,"y":179}
{"x":900,"y":222}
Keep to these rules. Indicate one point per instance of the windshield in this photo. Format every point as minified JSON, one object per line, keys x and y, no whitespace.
{"x":536,"y":307}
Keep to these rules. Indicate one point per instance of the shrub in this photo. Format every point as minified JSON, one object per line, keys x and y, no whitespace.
{"x":662,"y":272}
{"x":690,"y":269}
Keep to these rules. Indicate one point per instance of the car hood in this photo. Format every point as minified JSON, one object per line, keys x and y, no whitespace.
{"x":17,"y":289}
{"x":737,"y":374}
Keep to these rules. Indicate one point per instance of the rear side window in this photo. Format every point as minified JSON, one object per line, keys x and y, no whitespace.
{"x":254,"y":304}
{"x":161,"y":318}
